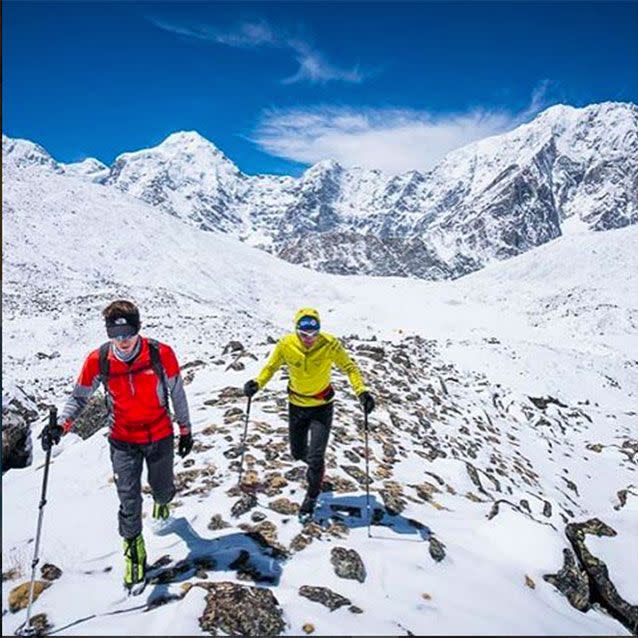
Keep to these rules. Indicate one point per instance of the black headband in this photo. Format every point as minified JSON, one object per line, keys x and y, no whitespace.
{"x":124,"y":325}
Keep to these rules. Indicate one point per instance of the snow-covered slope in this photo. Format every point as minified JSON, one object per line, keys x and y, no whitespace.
{"x":506,"y":410}
{"x":488,"y":201}
{"x":90,"y":169}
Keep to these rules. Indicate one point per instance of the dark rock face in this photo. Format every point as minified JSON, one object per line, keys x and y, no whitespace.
{"x":239,"y":610}
{"x":348,"y":564}
{"x":243,"y":505}
{"x":584,"y":578}
{"x":324,"y":596}
{"x":602,"y":588}
{"x":217,"y":522}
{"x":437,"y":549}
{"x":571,"y":581}
{"x":232,"y":347}
{"x":50,"y":571}
{"x":19,"y":411}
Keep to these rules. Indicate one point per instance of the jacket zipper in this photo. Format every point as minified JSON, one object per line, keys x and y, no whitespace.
{"x":130,"y":382}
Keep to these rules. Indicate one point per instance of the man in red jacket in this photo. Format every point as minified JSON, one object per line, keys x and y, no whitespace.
{"x":137,"y":374}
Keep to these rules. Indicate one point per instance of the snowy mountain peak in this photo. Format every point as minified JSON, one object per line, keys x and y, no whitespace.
{"x":21,"y":153}
{"x":324,"y":166}
{"x":495,"y":198}
{"x":186,"y":147}
{"x":89,"y":168}
{"x":190,"y":141}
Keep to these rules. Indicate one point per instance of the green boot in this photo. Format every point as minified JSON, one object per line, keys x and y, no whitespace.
{"x":134,"y":560}
{"x":161,"y":511}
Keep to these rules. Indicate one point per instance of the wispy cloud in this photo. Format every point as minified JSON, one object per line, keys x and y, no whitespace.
{"x":393,"y":140}
{"x":313,"y":66}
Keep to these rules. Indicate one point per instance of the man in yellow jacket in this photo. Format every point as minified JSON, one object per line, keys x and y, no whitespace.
{"x":310,"y":355}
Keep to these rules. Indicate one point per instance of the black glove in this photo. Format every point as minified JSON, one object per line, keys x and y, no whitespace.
{"x":250,"y":387}
{"x":367,"y":402}
{"x":51,"y":436}
{"x":185,"y":444}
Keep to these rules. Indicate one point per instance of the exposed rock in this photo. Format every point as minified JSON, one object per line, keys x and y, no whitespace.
{"x":243,"y":505}
{"x":392,"y":500}
{"x":529,"y":582}
{"x":19,"y":411}
{"x":233,"y":346}
{"x":296,"y":474}
{"x":571,"y":581}
{"x":217,"y":522}
{"x":40,"y":624}
{"x":308,"y":628}
{"x":284,"y":506}
{"x":356,"y":473}
{"x":602,"y":589}
{"x":542,"y":402}
{"x":340,"y":485}
{"x":233,"y":414}
{"x":347,"y":564}
{"x":374,"y":352}
{"x":240,"y":610}
{"x":10,"y":574}
{"x":19,"y":596}
{"x":300,"y":542}
{"x":324,"y":596}
{"x":265,"y":534}
{"x":355,"y":610}
{"x":437,"y":549}
{"x":230,"y":393}
{"x":50,"y":571}
{"x":425,"y":490}
{"x":173,"y":572}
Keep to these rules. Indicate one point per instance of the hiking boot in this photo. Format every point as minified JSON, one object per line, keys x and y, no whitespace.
{"x":308,"y":506}
{"x":134,"y":560}
{"x":161,"y":511}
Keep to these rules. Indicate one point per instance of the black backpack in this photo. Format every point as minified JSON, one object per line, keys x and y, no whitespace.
{"x":156,"y":364}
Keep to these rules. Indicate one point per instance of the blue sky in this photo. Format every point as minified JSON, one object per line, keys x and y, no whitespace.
{"x":278,"y":86}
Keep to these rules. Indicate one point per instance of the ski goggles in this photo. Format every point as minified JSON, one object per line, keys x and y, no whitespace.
{"x":308,"y":323}
{"x":120,"y":338}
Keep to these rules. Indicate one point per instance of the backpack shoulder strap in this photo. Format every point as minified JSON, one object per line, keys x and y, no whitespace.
{"x":104,"y":362}
{"x":158,"y":368}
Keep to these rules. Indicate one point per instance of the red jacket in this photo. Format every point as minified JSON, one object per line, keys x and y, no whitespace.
{"x":135,"y":395}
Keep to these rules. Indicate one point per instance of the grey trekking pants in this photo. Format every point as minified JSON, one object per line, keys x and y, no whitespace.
{"x":128,"y":460}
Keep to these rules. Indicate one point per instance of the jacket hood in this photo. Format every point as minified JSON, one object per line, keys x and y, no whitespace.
{"x":306,"y":312}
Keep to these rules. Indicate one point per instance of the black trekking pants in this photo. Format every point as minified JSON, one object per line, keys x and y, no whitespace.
{"x":128,"y":460}
{"x":313,"y":423}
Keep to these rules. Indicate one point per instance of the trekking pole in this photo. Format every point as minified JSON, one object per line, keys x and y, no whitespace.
{"x":53,"y":420}
{"x":243,"y":443}
{"x":365,"y":429}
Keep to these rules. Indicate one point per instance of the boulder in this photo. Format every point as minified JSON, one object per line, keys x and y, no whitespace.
{"x":324,"y":596}
{"x":347,"y":564}
{"x":240,"y":610}
{"x":245,"y":503}
{"x":19,"y":596}
{"x":50,"y":571}
{"x":571,"y":581}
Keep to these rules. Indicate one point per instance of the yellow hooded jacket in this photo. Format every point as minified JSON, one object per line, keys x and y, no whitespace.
{"x":310,"y":368}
